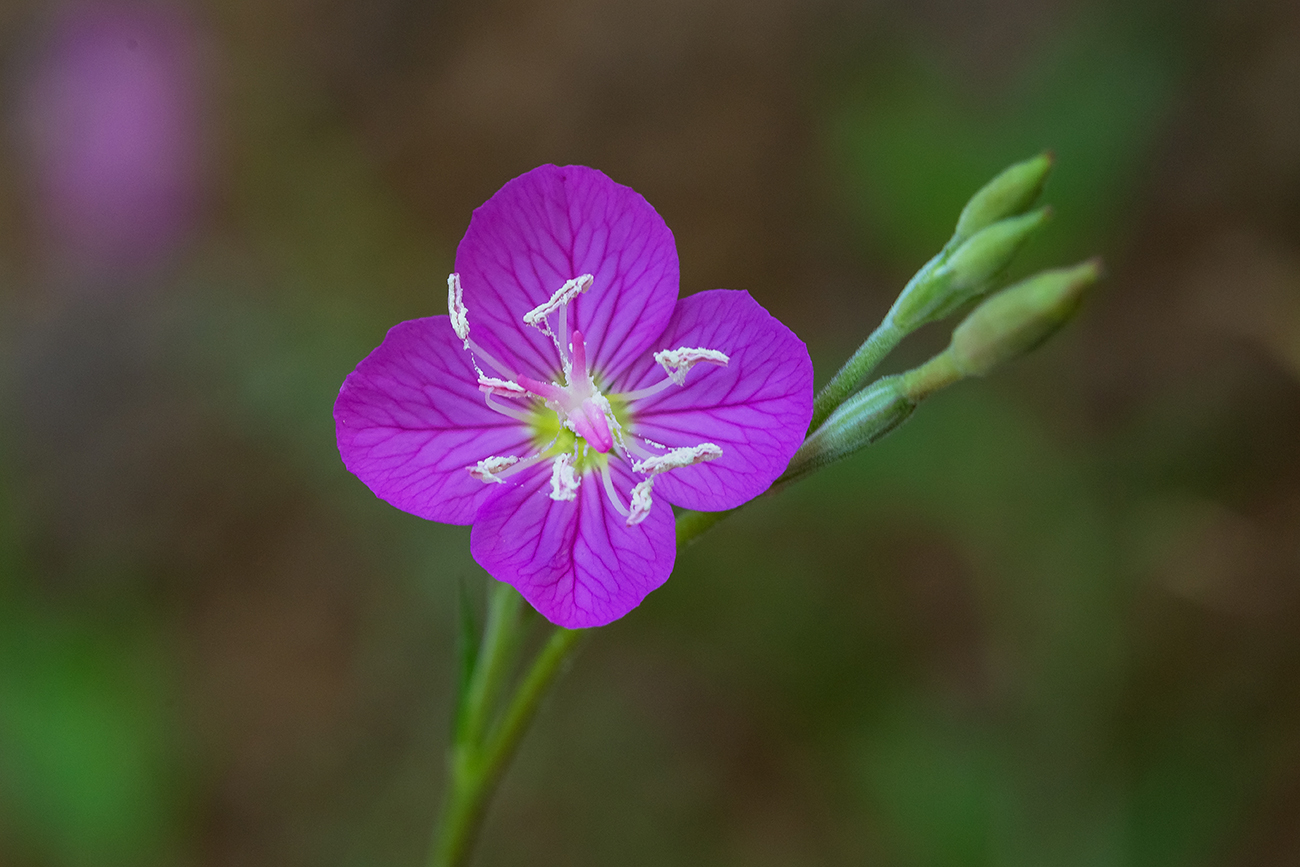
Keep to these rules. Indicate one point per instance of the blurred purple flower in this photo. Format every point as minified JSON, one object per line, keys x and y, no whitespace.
{"x":583,"y":397}
{"x":114,"y":120}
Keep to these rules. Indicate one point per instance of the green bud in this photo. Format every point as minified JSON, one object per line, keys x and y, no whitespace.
{"x":1007,"y":195}
{"x":857,"y":423}
{"x":990,"y":250}
{"x":943,"y":285}
{"x":1019,"y":318}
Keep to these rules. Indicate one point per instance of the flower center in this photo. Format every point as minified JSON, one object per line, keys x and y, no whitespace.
{"x":584,"y":427}
{"x":578,"y":405}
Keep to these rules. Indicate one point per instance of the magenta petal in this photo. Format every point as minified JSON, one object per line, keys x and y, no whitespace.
{"x":575,"y":561}
{"x":757,"y":408}
{"x":410,"y":419}
{"x":546,"y":227}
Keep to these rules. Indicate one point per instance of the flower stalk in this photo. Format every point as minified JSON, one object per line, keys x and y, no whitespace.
{"x":478,"y":765}
{"x":468,"y":786}
{"x":490,"y":720}
{"x":481,"y":752}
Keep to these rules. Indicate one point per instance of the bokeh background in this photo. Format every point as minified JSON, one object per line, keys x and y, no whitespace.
{"x":1053,"y":620}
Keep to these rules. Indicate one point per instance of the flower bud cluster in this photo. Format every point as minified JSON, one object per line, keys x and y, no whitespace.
{"x":966,"y":273}
{"x":1011,"y":323}
{"x":993,"y":227}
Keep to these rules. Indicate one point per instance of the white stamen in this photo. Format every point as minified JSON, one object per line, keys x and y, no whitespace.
{"x":610,"y":492}
{"x":456,"y":308}
{"x":562,"y":343}
{"x":486,"y":470}
{"x":564,"y":482}
{"x":566,"y":293}
{"x":642,"y":393}
{"x":478,"y":353}
{"x":678,"y":458}
{"x":509,"y":411}
{"x":678,"y":361}
{"x":641,"y":502}
{"x":632,"y":447}
{"x":502,"y":387}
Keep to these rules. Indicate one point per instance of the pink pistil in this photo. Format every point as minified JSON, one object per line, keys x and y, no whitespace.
{"x":579,"y":355}
{"x":589,"y":423}
{"x":544,"y":390}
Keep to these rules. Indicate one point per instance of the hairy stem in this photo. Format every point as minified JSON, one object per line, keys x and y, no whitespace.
{"x":881,"y":342}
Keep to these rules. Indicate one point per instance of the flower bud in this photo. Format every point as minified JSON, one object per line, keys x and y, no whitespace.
{"x":1009,"y":194}
{"x":858,"y":422}
{"x":944,"y":285}
{"x":991,"y":249}
{"x":1017,"y":319}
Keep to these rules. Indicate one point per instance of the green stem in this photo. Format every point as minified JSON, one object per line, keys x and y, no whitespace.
{"x":479,"y":755}
{"x":841,"y":387}
{"x":461,"y":815}
{"x":477,"y":768}
{"x":505,"y":737}
{"x":465,"y":796}
{"x":500,"y":640}
{"x":936,"y":374}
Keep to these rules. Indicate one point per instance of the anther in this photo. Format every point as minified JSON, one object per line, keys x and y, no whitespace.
{"x":456,"y":308}
{"x":566,"y":293}
{"x":641,"y":502}
{"x":678,"y":458}
{"x":677,"y":362}
{"x":486,"y":470}
{"x":564,"y":481}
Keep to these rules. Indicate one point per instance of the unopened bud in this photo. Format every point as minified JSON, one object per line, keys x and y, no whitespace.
{"x":1019,"y":318}
{"x":944,"y":285}
{"x":990,"y":250}
{"x":1009,"y":194}
{"x":857,"y":423}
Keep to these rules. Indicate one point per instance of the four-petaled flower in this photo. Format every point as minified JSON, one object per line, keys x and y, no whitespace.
{"x":569,"y":397}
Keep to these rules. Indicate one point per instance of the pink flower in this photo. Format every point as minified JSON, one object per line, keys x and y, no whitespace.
{"x":571,"y":397}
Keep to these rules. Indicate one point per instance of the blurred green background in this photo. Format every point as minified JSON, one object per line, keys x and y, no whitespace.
{"x":1054,"y":620}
